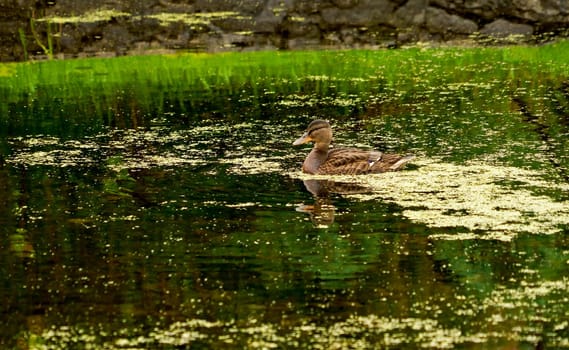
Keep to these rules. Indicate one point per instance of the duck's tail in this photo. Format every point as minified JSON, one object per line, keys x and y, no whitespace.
{"x":401,"y":162}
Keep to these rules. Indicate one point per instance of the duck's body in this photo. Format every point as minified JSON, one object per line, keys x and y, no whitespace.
{"x":343,"y":161}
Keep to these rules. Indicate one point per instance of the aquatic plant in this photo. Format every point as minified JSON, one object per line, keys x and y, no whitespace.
{"x":48,"y":50}
{"x":24,"y":41}
{"x":343,"y":71}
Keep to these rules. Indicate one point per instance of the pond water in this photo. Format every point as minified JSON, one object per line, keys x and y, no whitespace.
{"x":190,"y":225}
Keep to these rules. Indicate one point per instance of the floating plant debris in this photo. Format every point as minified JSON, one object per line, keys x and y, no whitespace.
{"x":475,"y":196}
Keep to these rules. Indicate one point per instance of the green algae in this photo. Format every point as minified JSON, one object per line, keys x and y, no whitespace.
{"x":201,"y":19}
{"x":361,"y":331}
{"x":472,"y":196}
{"x":489,"y":200}
{"x":165,"y":18}
{"x":99,"y":15}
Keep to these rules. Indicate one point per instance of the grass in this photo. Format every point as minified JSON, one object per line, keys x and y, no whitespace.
{"x":213,"y":69}
{"x":152,"y":80}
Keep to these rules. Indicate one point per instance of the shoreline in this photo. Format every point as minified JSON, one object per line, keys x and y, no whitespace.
{"x":80,"y":28}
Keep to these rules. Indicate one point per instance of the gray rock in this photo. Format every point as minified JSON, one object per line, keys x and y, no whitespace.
{"x":270,"y":23}
{"x":296,"y":26}
{"x":345,"y":4}
{"x":241,"y":6}
{"x":365,"y":13}
{"x":271,"y":17}
{"x":543,"y":11}
{"x":502,"y":28}
{"x":411,"y":14}
{"x":441,"y":22}
{"x":485,"y":9}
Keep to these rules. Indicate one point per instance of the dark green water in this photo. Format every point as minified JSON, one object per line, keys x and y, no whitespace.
{"x":187,"y":224}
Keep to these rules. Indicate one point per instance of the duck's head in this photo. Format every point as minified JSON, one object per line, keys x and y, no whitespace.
{"x":318,"y":131}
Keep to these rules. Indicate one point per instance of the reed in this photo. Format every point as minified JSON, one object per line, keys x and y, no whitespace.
{"x":103,"y":86}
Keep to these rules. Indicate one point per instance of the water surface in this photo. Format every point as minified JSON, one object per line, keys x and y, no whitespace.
{"x":187,"y":223}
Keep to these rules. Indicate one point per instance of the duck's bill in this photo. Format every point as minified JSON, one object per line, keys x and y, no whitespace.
{"x":302,"y":140}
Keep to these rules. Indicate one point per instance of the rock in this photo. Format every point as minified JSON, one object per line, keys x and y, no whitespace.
{"x":502,"y":28}
{"x":365,"y":13}
{"x":484,"y":9}
{"x":295,"y":26}
{"x":15,"y":8}
{"x":269,"y":20}
{"x":345,"y":4}
{"x":410,"y":14}
{"x":242,"y":6}
{"x":232,"y":40}
{"x":307,"y":6}
{"x":441,"y":22}
{"x":248,"y":24}
{"x":303,"y":43}
{"x":117,"y":38}
{"x":543,"y":11}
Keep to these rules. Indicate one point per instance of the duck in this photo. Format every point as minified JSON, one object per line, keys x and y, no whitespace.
{"x":324,"y":159}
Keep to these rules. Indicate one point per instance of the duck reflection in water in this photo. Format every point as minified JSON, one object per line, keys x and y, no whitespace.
{"x":322,"y":211}
{"x":324,"y":159}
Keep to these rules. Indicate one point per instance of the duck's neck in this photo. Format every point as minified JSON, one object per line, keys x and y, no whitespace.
{"x":315,"y":158}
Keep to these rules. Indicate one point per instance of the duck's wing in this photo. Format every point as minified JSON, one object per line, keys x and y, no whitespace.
{"x":390,"y":162}
{"x":348,"y":161}
{"x":351,"y":161}
{"x":397,"y":162}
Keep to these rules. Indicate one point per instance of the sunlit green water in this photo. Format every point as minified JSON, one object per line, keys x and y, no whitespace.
{"x":166,"y":209}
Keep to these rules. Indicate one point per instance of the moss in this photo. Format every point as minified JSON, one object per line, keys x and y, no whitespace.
{"x":100,"y":15}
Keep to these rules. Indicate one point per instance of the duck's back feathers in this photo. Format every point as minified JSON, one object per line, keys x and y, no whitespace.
{"x":351,"y":161}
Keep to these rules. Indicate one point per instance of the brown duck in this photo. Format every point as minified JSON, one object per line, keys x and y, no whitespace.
{"x":326,"y":160}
